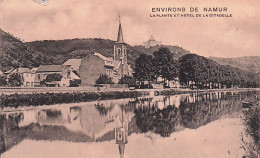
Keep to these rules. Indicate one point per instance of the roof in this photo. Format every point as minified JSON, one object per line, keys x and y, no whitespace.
{"x":52,"y":68}
{"x":1,"y":73}
{"x":103,"y":57}
{"x":75,"y":63}
{"x":19,"y":70}
{"x":117,"y":64}
{"x":151,"y":38}
{"x":34,"y":69}
{"x":74,"y":76}
{"x":120,"y":38}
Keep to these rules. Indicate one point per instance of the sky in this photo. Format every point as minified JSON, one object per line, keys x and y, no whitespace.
{"x":234,"y":36}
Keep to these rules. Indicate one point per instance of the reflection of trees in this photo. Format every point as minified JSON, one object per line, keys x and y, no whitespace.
{"x":162,"y":122}
{"x":103,"y":110}
{"x":203,"y":111}
{"x":9,"y":134}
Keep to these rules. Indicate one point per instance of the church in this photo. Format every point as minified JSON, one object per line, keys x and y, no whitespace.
{"x":95,"y":64}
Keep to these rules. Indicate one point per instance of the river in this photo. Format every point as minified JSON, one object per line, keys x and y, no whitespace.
{"x":186,"y":125}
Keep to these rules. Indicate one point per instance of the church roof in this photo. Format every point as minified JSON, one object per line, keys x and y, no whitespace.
{"x":120,"y":38}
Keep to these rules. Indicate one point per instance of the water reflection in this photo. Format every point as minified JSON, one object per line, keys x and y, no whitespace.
{"x":117,"y":119}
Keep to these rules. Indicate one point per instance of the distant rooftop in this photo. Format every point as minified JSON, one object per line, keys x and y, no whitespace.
{"x":52,"y":68}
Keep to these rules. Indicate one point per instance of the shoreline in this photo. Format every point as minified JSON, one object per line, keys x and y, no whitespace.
{"x":33,"y":90}
{"x":25,"y":101}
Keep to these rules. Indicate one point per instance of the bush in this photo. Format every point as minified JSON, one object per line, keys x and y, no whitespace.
{"x":129,"y":80}
{"x":15,"y":80}
{"x":104,"y":79}
{"x":37,"y":99}
{"x":75,"y":83}
{"x":3,"y":81}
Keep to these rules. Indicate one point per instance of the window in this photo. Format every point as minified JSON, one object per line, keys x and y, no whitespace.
{"x":39,"y":76}
{"x":118,"y":51}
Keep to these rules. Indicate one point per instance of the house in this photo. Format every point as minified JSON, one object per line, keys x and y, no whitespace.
{"x":1,"y":73}
{"x":93,"y":65}
{"x":74,"y":63}
{"x":64,"y":71}
{"x":27,"y":75}
{"x":96,"y":64}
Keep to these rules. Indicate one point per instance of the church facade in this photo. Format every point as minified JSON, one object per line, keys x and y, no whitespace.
{"x":95,"y":64}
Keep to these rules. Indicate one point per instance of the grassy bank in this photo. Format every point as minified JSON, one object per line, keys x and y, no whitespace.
{"x":252,"y":123}
{"x":50,"y":98}
{"x":37,"y":99}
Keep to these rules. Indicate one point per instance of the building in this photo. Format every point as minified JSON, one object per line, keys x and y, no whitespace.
{"x":96,"y":64}
{"x":74,"y":63}
{"x":27,"y":75}
{"x":63,"y":70}
{"x":151,"y":42}
{"x":93,"y":65}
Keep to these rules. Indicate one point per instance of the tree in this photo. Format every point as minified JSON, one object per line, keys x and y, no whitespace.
{"x":165,"y":65}
{"x":53,"y":77}
{"x":129,"y":80}
{"x":3,"y":81}
{"x":15,"y":80}
{"x":144,"y":68}
{"x":104,"y":79}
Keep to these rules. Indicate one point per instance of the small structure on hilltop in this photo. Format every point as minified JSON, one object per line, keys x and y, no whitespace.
{"x":151,"y":42}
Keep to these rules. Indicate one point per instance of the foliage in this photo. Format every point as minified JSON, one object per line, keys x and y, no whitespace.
{"x":53,"y":77}
{"x":75,"y":83}
{"x":36,"y":99}
{"x":252,"y":123}
{"x":161,"y":64}
{"x":144,"y":68}
{"x":15,"y":80}
{"x":205,"y":73}
{"x":104,"y":79}
{"x":129,"y":80}
{"x":3,"y":81}
{"x":165,"y":65}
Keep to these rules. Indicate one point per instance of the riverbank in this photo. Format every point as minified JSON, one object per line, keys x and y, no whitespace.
{"x":33,"y":90}
{"x":49,"y":98}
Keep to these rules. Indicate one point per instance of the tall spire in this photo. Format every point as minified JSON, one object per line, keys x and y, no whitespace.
{"x":120,"y":38}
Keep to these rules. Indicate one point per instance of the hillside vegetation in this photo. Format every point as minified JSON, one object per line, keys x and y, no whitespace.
{"x":249,"y":63}
{"x":62,"y":50}
{"x":14,"y":53}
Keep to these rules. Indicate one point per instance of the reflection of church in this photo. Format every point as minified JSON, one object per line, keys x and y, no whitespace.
{"x":121,"y":133}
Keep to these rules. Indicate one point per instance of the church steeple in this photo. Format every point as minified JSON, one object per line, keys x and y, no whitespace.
{"x":120,"y":38}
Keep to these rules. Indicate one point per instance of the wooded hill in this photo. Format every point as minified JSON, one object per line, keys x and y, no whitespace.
{"x":14,"y":53}
{"x":249,"y":63}
{"x":63,"y":50}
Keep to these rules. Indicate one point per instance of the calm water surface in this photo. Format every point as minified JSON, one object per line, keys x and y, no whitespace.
{"x":190,"y":125}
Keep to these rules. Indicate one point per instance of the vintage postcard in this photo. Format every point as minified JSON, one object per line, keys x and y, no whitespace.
{"x":129,"y":79}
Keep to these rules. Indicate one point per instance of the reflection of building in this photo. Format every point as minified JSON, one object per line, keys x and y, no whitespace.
{"x":151,"y":42}
{"x":121,"y":133}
